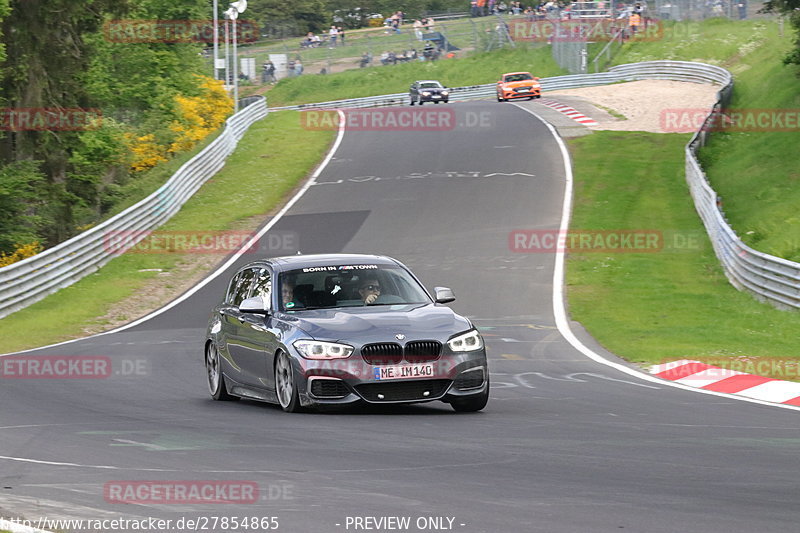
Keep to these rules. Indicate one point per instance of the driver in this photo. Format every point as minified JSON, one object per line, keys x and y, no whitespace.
{"x":369,"y":289}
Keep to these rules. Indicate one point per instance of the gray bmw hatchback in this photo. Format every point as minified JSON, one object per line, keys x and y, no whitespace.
{"x":338,"y":329}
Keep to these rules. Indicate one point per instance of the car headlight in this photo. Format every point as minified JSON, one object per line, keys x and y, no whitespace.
{"x":425,"y":93}
{"x":323,"y":350}
{"x":445,"y":93}
{"x":466,"y":342}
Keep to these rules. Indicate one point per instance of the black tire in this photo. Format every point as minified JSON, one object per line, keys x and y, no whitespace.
{"x":499,"y":99}
{"x":215,"y":378}
{"x":285,"y":386}
{"x":421,"y":102}
{"x":531,"y":97}
{"x":473,"y":403}
{"x":412,"y":102}
{"x":436,"y":101}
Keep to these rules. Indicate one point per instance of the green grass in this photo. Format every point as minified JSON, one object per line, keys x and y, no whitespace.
{"x":673,"y":304}
{"x":717,"y":41}
{"x":271,"y":159}
{"x":755,"y":173}
{"x":476,"y":69}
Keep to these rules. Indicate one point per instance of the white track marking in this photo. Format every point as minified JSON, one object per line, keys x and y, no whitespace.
{"x":559,"y":309}
{"x":227,"y":263}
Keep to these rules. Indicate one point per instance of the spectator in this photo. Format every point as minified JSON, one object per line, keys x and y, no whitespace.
{"x":290,"y":67}
{"x":366,"y":59}
{"x":385,"y":58}
{"x":298,"y":67}
{"x":634,"y":21}
{"x":333,"y":33}
{"x":418,"y":28}
{"x":268,"y":72}
{"x":341,"y":35}
{"x":742,"y":5}
{"x":473,"y":9}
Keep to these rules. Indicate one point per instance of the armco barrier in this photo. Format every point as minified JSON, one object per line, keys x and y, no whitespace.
{"x":769,"y":278}
{"x":30,"y":280}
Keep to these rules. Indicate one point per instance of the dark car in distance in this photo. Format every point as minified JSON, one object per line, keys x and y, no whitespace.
{"x":340,"y":329}
{"x":428,"y":91}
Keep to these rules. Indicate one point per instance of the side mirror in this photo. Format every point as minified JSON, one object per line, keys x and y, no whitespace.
{"x":444,"y":295}
{"x":257,"y":305}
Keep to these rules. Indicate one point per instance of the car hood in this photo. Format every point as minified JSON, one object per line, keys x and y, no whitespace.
{"x":523,"y":83}
{"x":381,"y":323}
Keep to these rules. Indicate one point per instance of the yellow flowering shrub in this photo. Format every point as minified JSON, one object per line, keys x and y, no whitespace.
{"x":200,"y":115}
{"x":146,"y":152}
{"x":22,"y":251}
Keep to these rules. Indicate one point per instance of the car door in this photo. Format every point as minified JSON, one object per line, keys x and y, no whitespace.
{"x":241,"y":345}
{"x":259,"y":331}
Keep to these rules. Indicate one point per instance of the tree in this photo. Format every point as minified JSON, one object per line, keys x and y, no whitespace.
{"x":791,"y":8}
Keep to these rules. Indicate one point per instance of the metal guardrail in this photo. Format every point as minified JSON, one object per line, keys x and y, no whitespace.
{"x":31,"y":279}
{"x":767,"y":277}
{"x":770,"y":278}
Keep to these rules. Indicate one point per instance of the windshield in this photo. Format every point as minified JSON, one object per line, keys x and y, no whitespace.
{"x":430,"y":85}
{"x":332,"y":286}
{"x":519,"y":77}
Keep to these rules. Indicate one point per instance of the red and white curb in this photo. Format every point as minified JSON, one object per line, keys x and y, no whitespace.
{"x":570,"y":112}
{"x":712,"y":378}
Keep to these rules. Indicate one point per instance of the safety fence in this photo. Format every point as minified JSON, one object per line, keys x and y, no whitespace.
{"x":31,"y":279}
{"x":769,"y":278}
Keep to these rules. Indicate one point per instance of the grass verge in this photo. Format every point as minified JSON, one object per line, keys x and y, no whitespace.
{"x":273,"y":157}
{"x":675,"y":303}
{"x":476,"y":69}
{"x":753,"y":171}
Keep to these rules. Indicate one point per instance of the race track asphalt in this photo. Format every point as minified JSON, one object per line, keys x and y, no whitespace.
{"x":565,"y":444}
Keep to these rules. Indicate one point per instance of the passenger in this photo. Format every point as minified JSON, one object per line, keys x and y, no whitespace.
{"x":287,"y":295}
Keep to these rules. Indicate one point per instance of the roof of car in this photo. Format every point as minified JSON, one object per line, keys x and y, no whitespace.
{"x":429,"y":81}
{"x":297,"y":261}
{"x":512,"y":73}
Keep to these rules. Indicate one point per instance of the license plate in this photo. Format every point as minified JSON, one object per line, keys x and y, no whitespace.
{"x":523,"y":90}
{"x":437,"y":96}
{"x":403,"y":371}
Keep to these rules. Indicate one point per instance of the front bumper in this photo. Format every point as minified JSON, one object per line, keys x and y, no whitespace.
{"x":511,"y":94}
{"x":434,"y":98}
{"x":350,"y":381}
